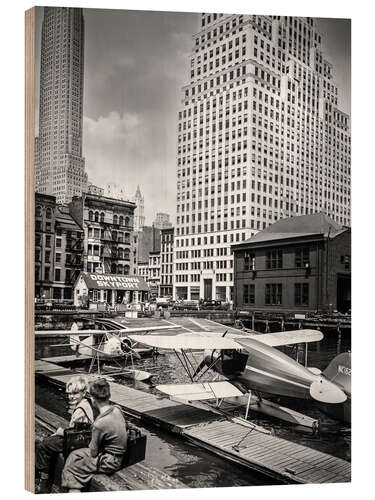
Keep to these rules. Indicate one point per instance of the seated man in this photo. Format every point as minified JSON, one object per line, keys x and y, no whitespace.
{"x":108,"y":443}
{"x":46,"y":451}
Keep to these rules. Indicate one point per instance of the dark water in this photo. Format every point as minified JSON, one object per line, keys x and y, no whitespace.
{"x":198,"y":468}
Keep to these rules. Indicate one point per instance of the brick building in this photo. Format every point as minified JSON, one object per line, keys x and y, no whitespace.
{"x":58,"y":250}
{"x":109,"y":239}
{"x":154,"y":274}
{"x":68,"y":253}
{"x":299,"y":264}
{"x":166,"y":262}
{"x":44,"y":245}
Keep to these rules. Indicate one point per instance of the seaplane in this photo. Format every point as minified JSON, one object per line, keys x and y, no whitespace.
{"x":251,"y":367}
{"x":109,"y":345}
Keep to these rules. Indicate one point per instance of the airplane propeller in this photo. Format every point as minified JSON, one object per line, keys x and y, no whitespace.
{"x":326,"y":392}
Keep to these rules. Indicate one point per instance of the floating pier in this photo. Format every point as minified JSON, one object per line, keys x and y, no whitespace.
{"x":274,"y":457}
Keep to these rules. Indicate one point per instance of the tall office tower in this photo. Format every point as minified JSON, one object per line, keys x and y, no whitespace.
{"x":59,"y":165}
{"x":260,"y":137}
{"x":139,"y":218}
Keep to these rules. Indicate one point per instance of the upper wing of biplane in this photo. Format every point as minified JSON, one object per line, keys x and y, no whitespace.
{"x":210,"y":340}
{"x":99,"y":333}
{"x":284,"y":338}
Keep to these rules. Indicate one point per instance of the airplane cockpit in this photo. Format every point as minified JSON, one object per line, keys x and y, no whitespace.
{"x":233,"y":362}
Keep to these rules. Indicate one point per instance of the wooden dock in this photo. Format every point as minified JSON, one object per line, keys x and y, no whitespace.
{"x":277,"y":458}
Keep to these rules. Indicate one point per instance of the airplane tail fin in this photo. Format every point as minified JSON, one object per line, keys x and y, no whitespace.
{"x":339,"y":371}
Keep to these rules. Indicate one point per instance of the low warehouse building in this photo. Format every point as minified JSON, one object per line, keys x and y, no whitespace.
{"x":299,"y":264}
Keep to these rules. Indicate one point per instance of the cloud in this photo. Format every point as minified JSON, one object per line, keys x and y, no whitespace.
{"x":128,"y":150}
{"x":112,"y":128}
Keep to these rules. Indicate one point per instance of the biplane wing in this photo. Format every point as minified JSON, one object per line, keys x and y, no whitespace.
{"x":187,"y":341}
{"x":212,"y":341}
{"x":271,"y":339}
{"x":98,"y":333}
{"x":283,"y":338}
{"x":200,"y":392}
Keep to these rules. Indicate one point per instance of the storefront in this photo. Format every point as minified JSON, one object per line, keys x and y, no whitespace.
{"x":100,"y":291}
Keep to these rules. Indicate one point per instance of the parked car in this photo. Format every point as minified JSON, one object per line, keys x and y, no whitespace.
{"x":183,"y":305}
{"x":163,"y":302}
{"x":211,"y":304}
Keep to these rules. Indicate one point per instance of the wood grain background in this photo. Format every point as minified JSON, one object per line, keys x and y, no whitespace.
{"x":29,"y":248}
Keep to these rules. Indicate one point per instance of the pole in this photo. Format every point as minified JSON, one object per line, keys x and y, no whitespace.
{"x":248,"y":405}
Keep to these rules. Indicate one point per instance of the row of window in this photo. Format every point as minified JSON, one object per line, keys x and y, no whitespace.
{"x":274,"y":259}
{"x":274,"y":294}
{"x":100,"y":217}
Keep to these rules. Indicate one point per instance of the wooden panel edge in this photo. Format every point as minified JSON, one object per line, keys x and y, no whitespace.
{"x":29,"y":249}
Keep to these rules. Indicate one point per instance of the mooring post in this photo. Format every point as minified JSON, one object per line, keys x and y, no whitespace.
{"x":253,"y":321}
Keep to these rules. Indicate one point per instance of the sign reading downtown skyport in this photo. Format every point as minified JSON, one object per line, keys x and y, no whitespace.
{"x":114,"y":282}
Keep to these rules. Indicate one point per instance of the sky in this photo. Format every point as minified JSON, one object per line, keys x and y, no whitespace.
{"x":135,"y":65}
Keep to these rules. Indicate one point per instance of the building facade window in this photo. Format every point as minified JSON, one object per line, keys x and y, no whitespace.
{"x":273,"y":295}
{"x":302,"y":256}
{"x":249,"y":294}
{"x":274,"y":259}
{"x":301,"y":294}
{"x":249,"y":261}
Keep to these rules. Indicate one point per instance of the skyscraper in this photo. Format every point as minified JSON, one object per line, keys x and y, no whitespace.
{"x":260,"y":137}
{"x":59,"y":165}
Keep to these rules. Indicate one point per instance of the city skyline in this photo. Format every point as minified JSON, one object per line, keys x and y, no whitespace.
{"x":129,"y":100}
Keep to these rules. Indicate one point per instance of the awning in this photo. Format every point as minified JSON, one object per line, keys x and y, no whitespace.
{"x":114,"y":282}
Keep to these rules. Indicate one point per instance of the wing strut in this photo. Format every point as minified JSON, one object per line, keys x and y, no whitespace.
{"x":185,"y":363}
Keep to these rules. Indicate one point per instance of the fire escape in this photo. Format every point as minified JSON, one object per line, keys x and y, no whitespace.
{"x":75,"y":247}
{"x":115,"y":259}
